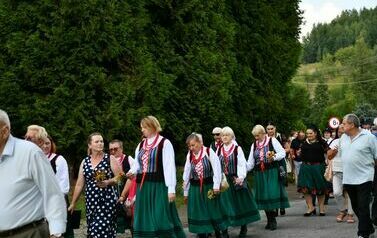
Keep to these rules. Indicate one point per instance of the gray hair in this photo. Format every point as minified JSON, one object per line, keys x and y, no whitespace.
{"x":194,"y":136}
{"x":258,"y":129}
{"x":117,"y":141}
{"x":352,"y":118}
{"x":4,"y":118}
{"x":227,"y":131}
{"x":41,"y":133}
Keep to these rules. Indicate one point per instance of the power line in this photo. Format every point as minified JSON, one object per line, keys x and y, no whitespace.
{"x":340,"y":83}
{"x":344,"y":64}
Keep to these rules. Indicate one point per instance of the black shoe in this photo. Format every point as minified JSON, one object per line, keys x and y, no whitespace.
{"x":374,"y":222}
{"x":273,"y":224}
{"x":322,"y":214}
{"x":267,"y":227}
{"x":243,"y":231}
{"x":225,"y":234}
{"x":308,"y":214}
{"x":282,"y":212}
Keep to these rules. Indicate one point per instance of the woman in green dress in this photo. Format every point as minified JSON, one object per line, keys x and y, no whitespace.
{"x":269,"y":192}
{"x":155,"y":212}
{"x":238,"y":200}
{"x":201,"y":185}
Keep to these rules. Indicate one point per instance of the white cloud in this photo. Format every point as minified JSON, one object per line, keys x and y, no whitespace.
{"x":329,"y":11}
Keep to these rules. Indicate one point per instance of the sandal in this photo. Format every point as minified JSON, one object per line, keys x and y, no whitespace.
{"x":340,"y":216}
{"x":350,"y":219}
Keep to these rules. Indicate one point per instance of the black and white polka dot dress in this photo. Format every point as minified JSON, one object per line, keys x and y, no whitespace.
{"x":100,"y":202}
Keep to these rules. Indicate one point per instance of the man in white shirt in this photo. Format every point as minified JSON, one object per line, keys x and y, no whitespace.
{"x":30,"y":192}
{"x":358,"y":152}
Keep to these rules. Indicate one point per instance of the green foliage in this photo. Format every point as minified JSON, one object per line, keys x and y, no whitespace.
{"x":78,"y":67}
{"x":343,"y":31}
{"x":351,"y":76}
{"x":366,"y":112}
{"x":319,"y":102}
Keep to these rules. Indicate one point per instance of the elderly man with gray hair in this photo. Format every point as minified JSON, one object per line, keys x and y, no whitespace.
{"x":358,"y":152}
{"x":36,"y":134}
{"x":30,"y":191}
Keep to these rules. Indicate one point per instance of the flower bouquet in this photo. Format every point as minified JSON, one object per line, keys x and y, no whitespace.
{"x":99,"y":175}
{"x":120,"y":178}
{"x":270,"y":155}
{"x":224,"y":185}
{"x":211,"y":194}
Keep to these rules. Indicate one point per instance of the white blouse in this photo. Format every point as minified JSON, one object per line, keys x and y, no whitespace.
{"x":168,"y":161}
{"x":62,"y":174}
{"x":241,"y":161}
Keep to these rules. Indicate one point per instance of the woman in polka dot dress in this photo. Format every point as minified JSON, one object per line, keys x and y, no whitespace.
{"x":97,"y":175}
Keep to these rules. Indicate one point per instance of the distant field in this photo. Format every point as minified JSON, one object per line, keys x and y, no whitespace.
{"x":308,"y":75}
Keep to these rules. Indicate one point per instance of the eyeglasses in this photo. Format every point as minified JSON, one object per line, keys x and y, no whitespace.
{"x":28,"y":138}
{"x":114,"y":149}
{"x":216,"y":134}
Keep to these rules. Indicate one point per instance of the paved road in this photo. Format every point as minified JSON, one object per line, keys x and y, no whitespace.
{"x":295,"y":225}
{"x":292,"y":225}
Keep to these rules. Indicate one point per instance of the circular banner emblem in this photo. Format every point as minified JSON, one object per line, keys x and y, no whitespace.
{"x":334,"y":122}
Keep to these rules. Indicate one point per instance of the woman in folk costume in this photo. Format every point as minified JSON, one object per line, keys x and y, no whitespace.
{"x":238,"y":200}
{"x":270,"y":193}
{"x":201,"y":184}
{"x":271,"y":132}
{"x":155,"y":211}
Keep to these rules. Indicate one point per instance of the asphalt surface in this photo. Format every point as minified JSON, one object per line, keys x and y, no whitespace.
{"x":292,"y":225}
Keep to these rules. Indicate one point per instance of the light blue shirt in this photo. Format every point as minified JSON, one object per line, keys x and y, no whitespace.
{"x":358,"y":156}
{"x":29,"y":190}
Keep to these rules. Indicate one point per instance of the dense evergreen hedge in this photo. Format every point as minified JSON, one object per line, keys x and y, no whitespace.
{"x":81,"y":66}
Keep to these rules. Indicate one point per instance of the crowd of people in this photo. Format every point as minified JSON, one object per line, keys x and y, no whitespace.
{"x":138,"y":193}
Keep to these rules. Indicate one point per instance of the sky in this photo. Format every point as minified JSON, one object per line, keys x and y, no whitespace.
{"x":316,"y":11}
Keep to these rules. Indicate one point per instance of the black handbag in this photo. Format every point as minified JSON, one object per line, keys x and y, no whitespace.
{"x":74,"y":218}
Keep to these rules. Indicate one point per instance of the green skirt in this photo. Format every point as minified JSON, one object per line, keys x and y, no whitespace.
{"x":154,"y":215}
{"x":205,"y":215}
{"x":270,"y":193}
{"x":239,"y":204}
{"x":311,"y":179}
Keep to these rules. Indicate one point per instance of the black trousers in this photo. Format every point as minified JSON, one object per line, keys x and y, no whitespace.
{"x":374,"y":205}
{"x":360,"y":196}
